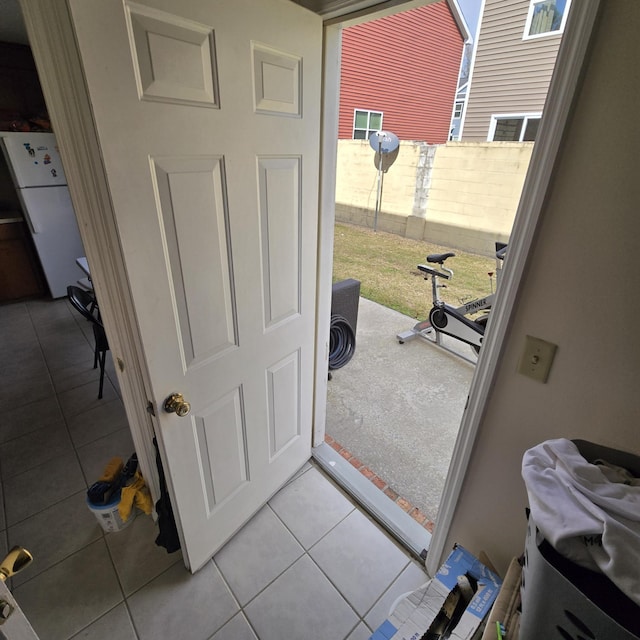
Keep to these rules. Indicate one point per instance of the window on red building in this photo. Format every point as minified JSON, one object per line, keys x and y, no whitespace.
{"x":365,"y":123}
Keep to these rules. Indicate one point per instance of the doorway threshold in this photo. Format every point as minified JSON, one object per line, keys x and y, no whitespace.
{"x":414,"y":537}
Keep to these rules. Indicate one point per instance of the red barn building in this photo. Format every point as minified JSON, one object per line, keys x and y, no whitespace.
{"x":400,"y":73}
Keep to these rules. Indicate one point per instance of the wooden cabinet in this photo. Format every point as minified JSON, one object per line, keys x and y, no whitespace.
{"x":20,"y":99}
{"x":20,"y":93}
{"x":20,"y":272}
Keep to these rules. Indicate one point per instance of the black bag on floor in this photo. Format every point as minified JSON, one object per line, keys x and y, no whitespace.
{"x":168,"y":536}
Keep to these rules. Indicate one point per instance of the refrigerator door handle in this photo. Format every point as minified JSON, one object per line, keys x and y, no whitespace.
{"x":31,"y":218}
{"x":33,"y":227}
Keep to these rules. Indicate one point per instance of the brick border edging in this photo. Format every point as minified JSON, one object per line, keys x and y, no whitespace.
{"x":405,"y":505}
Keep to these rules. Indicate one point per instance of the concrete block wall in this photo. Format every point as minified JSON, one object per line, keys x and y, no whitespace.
{"x":461,"y":195}
{"x":357,"y":181}
{"x":474,"y":194}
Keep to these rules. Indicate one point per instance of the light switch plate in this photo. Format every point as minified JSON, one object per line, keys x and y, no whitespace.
{"x":537,"y":358}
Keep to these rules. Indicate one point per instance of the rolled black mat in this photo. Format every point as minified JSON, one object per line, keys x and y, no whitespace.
{"x":342,"y":342}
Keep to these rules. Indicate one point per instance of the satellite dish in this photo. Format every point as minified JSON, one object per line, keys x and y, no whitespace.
{"x":384,"y":141}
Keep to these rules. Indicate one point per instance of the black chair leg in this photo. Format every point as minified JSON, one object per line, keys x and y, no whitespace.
{"x":103,"y":356}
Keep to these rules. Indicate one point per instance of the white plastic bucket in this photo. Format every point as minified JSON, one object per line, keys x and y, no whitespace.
{"x":108,"y":517}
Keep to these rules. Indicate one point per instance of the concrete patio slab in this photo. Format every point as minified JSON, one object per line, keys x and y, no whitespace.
{"x":397,"y":407}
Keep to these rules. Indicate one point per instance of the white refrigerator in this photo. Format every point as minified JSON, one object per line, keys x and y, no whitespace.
{"x":41,"y":185}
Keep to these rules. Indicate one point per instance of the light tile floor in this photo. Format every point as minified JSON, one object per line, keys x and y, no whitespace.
{"x":310,"y":565}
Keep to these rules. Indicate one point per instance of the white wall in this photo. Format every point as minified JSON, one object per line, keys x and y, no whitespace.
{"x":581,"y":291}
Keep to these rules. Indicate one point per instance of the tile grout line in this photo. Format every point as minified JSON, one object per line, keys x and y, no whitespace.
{"x":324,"y":535}
{"x":66,"y":426}
{"x":66,"y":418}
{"x":77,"y":634}
{"x":233,"y":595}
{"x":306,"y":552}
{"x":62,"y":413}
{"x":74,"y":448}
{"x":344,"y":597}
{"x":77,"y":457}
{"x":88,"y":544}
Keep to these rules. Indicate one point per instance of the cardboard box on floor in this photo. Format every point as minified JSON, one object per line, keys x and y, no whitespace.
{"x":416,"y":613}
{"x":506,"y":609}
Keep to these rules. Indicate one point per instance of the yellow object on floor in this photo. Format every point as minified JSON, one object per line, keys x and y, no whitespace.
{"x":112,"y":470}
{"x":135,"y":493}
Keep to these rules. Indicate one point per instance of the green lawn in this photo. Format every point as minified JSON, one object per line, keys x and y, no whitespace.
{"x":386,"y":263}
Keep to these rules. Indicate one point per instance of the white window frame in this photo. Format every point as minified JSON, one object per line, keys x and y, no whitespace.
{"x":368,"y":129}
{"x":462,"y":103}
{"x":503,"y":116}
{"x":527,"y":26}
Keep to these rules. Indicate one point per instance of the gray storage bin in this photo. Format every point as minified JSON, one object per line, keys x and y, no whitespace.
{"x":345,"y":298}
{"x":563,"y":601}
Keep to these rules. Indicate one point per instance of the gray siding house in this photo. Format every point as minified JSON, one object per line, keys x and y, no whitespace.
{"x":515,"y":54}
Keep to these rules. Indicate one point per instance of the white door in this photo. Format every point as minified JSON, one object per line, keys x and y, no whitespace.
{"x":16,"y":626}
{"x":208,"y":118}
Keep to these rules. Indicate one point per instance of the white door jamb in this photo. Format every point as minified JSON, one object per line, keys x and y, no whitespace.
{"x":326,"y":220}
{"x":52,"y":39}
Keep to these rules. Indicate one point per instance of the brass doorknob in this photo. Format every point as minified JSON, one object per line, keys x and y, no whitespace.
{"x":16,"y":560}
{"x":175,"y":403}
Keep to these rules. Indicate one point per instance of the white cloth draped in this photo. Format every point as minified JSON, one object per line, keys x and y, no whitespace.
{"x":590,"y":513}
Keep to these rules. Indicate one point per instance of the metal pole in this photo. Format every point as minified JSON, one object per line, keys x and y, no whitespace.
{"x":379,"y":196}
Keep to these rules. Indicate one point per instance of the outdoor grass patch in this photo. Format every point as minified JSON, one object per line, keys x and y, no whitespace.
{"x":386,"y":265}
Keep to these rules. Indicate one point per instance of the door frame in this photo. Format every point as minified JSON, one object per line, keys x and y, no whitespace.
{"x":560,"y":98}
{"x":50,"y":30}
{"x":16,"y":626}
{"x":52,"y":40}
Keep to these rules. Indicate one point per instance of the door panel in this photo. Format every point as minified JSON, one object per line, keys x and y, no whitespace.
{"x":173,"y":58}
{"x":208,"y":117}
{"x":278,"y":183}
{"x":284,"y":402}
{"x":222,"y":444}
{"x":190,"y":192}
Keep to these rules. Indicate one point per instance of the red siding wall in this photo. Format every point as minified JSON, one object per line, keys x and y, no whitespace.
{"x":406,"y":66}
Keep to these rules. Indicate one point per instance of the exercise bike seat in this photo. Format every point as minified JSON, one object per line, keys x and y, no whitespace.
{"x":439,"y":258}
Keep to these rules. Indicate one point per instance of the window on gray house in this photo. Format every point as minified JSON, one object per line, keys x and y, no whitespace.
{"x":365,"y":123}
{"x":546,"y":17}
{"x":516,"y":129}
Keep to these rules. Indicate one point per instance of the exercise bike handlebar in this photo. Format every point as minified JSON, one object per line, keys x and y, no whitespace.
{"x":446,"y":273}
{"x":434,"y":272}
